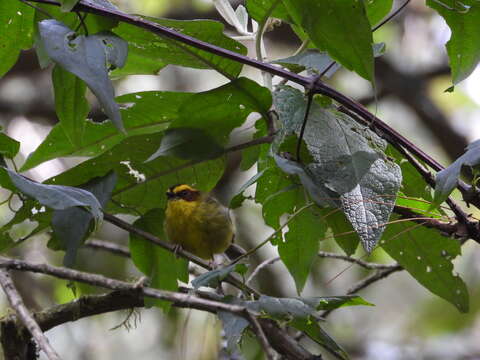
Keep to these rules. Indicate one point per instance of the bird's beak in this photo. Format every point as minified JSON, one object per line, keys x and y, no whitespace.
{"x":170,"y":194}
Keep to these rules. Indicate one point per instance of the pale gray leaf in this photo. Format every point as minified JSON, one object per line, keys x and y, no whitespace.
{"x":88,"y":57}
{"x":348,"y":167}
{"x":447,"y":179}
{"x":57,"y":197}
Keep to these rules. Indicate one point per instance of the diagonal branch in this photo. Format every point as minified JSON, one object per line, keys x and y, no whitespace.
{"x":24,"y":315}
{"x":276,"y":336}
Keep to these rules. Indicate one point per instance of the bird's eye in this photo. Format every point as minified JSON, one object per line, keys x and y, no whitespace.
{"x":183,"y":193}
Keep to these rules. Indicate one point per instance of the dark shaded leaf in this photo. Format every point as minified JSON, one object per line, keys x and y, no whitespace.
{"x":187,"y":144}
{"x":71,"y":226}
{"x":8,"y":146}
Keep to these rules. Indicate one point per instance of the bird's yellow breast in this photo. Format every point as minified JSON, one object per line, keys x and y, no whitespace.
{"x":201,"y":227}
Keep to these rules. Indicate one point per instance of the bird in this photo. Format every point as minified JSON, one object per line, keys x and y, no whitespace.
{"x":197,"y":222}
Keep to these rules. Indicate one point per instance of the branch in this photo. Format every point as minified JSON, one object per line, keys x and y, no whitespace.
{"x":109,"y":247}
{"x":364,"y":264}
{"x":277,"y":336}
{"x":24,"y":315}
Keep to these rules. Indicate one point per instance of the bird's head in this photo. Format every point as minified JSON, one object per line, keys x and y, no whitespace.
{"x":183,"y":192}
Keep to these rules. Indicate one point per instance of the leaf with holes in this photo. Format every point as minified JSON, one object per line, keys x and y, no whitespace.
{"x":427,"y":256}
{"x":149,"y":53}
{"x":88,"y":57}
{"x":143,"y":113}
{"x":349,"y":166}
{"x":16,"y":32}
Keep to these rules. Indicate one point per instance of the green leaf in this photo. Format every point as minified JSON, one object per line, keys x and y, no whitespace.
{"x":349,"y":168}
{"x":339,"y":27}
{"x":377,"y":10}
{"x":214,"y":277}
{"x":70,"y":226}
{"x":238,"y":199}
{"x":222,"y":109}
{"x":142,"y":186}
{"x":343,"y":232}
{"x":447,"y":179}
{"x":427,"y":256}
{"x":143,"y":113}
{"x":161,"y":266}
{"x":88,"y":57}
{"x":70,"y":104}
{"x":149,"y":53}
{"x":54,"y":196}
{"x":16,"y":32}
{"x":29,"y":213}
{"x":463,"y":47}
{"x":300,"y":248}
{"x":259,"y":9}
{"x":8,"y":146}
{"x":233,"y":326}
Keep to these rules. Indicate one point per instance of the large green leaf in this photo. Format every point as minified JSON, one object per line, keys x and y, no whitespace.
{"x":88,"y":57}
{"x":149,"y":53}
{"x":141,"y":186}
{"x":300,"y":248}
{"x":143,"y":113}
{"x":464,"y":45}
{"x":16,"y":30}
{"x":162,"y":267}
{"x":206,"y":120}
{"x":377,"y":10}
{"x":341,"y":28}
{"x":427,"y":256}
{"x":70,"y":104}
{"x":349,"y":168}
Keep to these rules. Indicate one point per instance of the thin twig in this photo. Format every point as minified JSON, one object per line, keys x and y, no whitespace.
{"x":378,"y":275}
{"x":108,"y":246}
{"x":24,"y":315}
{"x":364,"y":264}
{"x":257,"y":329}
{"x":261,"y":266}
